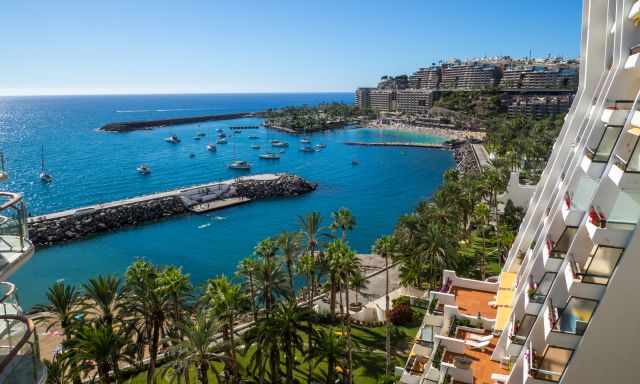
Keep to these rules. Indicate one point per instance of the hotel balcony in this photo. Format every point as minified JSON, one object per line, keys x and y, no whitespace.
{"x":591,"y":277}
{"x":596,"y":157}
{"x":568,"y":324}
{"x":553,"y":252}
{"x":19,"y":353}
{"x":626,"y":160}
{"x":616,"y":112}
{"x":15,"y":248}
{"x":537,"y":292}
{"x":469,"y":298}
{"x":550,"y":365}
{"x":613,"y":232}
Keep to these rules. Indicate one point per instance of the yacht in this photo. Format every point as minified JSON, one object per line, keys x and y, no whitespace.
{"x":320,"y":146}
{"x":173,"y":139}
{"x":221,"y":134}
{"x":305,"y":140}
{"x":307,"y":148}
{"x":44,"y":176}
{"x":211,"y":147}
{"x":222,"y":140}
{"x":278,"y":143}
{"x":253,"y":137}
{"x":255,"y":146}
{"x":143,"y":169}
{"x":240,"y":164}
{"x":197,"y":137}
{"x":201,"y":134}
{"x":270,"y":156}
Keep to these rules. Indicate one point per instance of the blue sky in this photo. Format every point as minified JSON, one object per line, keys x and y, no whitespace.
{"x":164,"y":46}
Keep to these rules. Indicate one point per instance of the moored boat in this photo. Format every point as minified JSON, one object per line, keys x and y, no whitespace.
{"x":255,"y":146}
{"x":278,"y":143}
{"x":240,"y":164}
{"x":211,"y":147}
{"x":143,"y":169}
{"x":270,"y":156}
{"x":307,"y":149}
{"x":173,"y":139}
{"x":222,"y":140}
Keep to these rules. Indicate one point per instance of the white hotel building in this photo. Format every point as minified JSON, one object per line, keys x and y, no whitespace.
{"x":566,"y":307}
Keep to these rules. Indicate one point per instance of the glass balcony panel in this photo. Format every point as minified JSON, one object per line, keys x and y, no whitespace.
{"x":583,"y":191}
{"x":552,"y":364}
{"x":600,"y":266}
{"x":561,"y":247}
{"x":524,"y":328}
{"x":543,"y":287}
{"x":607,"y":142}
{"x":626,"y":209}
{"x":634,"y":161}
{"x":575,"y":317}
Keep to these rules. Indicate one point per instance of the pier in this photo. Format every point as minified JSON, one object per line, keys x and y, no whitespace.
{"x":142,"y":125}
{"x":74,"y":224}
{"x":398,"y":144}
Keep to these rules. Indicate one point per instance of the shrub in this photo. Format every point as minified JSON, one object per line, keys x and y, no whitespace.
{"x":400,"y":300}
{"x":401,"y":314}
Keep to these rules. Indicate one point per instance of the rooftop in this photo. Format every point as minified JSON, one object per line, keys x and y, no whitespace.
{"x":482,"y":366}
{"x":473,"y":301}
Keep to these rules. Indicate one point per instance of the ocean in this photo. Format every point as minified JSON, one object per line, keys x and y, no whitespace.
{"x":93,"y":167}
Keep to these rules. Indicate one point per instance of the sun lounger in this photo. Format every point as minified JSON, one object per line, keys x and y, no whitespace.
{"x":477,"y":344}
{"x":499,"y":378}
{"x":480,"y":338}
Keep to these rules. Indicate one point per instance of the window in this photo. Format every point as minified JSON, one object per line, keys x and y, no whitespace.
{"x":561,"y":247}
{"x":607,"y":142}
{"x":552,"y":364}
{"x":600,"y":265}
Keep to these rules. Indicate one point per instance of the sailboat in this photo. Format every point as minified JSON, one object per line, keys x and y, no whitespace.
{"x":44,"y":176}
{"x":3,"y":174}
{"x":143,"y":169}
{"x":210,"y":146}
{"x":239,"y":164}
{"x":305,"y":139}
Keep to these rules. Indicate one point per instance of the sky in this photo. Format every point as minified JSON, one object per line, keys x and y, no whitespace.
{"x":202,"y":46}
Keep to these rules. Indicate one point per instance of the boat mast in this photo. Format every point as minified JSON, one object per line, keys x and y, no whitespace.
{"x":42,"y":159}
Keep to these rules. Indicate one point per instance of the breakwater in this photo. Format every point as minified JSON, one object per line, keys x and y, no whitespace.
{"x":140,"y":125}
{"x":75,"y":224}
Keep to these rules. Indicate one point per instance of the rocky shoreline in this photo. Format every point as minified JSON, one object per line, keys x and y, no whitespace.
{"x":145,"y":125}
{"x":83,"y":222}
{"x":465,"y":159}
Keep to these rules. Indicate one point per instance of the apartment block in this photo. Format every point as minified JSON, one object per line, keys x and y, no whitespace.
{"x":414,"y":100}
{"x":538,"y":77}
{"x":383,"y":100}
{"x":426,"y":78}
{"x":363,"y":97}
{"x":562,"y":309}
{"x":469,"y":76}
{"x":539,"y":106}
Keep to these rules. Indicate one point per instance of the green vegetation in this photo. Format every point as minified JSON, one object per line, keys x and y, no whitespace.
{"x":479,"y":104}
{"x":309,"y":119}
{"x":111,"y":325}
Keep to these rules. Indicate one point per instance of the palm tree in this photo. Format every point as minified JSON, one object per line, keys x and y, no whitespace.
{"x":311,"y":228}
{"x":227,"y":301}
{"x":194,"y":348}
{"x":307,"y":268}
{"x":358,"y":282}
{"x":289,"y":318}
{"x":329,"y":348}
{"x":175,"y":285}
{"x":98,"y":342}
{"x":147,"y":306}
{"x":433,"y":244}
{"x":271,"y":282}
{"x":481,"y":215}
{"x":248,"y":268}
{"x":266,"y":353}
{"x":57,"y":369}
{"x":385,"y":246}
{"x":289,"y":244}
{"x":103,"y":294}
{"x":343,"y":220}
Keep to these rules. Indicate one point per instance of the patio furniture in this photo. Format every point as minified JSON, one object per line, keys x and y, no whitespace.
{"x":479,"y":338}
{"x":481,"y":345}
{"x":499,"y":378}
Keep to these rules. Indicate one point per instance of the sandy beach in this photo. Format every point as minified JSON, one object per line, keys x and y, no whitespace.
{"x":442,"y":132}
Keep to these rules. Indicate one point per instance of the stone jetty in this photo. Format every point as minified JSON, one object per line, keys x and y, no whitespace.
{"x":141,"y":125}
{"x":78,"y":223}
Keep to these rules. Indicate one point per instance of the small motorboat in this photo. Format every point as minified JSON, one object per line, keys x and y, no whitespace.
{"x":201,"y":134}
{"x":237,"y":131}
{"x":304,"y":140}
{"x":253,"y":137}
{"x":219,"y":130}
{"x":240,"y":164}
{"x":220,"y":135}
{"x":143,"y":169}
{"x":255,"y":146}
{"x":197,"y":137}
{"x":270,"y":156}
{"x":278,"y":143}
{"x":321,"y":146}
{"x":354,"y":162}
{"x":173,"y":139}
{"x":222,"y":140}
{"x":307,"y":149}
{"x":192,"y":155}
{"x":211,"y":147}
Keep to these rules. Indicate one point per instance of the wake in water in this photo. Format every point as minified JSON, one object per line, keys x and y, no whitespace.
{"x":164,"y":110}
{"x":216,"y":218}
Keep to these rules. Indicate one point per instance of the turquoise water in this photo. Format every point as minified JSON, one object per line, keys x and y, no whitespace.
{"x":91,"y":167}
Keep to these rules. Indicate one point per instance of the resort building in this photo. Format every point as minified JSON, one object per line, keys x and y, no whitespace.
{"x":383,"y":100}
{"x":19,"y":351}
{"x":533,"y":77}
{"x":426,"y":78}
{"x":539,"y":106}
{"x":562,"y":309}
{"x":414,"y":100}
{"x":469,"y":76}
{"x":363,"y":100}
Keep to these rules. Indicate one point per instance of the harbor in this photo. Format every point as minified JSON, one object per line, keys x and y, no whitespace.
{"x":74,"y":224}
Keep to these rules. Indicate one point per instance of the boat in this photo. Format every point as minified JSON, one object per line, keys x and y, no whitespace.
{"x":192,"y":155}
{"x":220,"y":135}
{"x":320,"y":146}
{"x":197,"y":137}
{"x":307,"y":148}
{"x":3,"y":174}
{"x":201,"y":134}
{"x":211,"y":147}
{"x":222,"y":140}
{"x":253,"y":137}
{"x":219,"y":130}
{"x":255,"y":146}
{"x":240,"y":164}
{"x":173,"y":139}
{"x":143,"y":169}
{"x":304,"y":140}
{"x":270,"y":156}
{"x":278,"y":143}
{"x":354,"y":162}
{"x":45,"y":177}
{"x":237,"y":131}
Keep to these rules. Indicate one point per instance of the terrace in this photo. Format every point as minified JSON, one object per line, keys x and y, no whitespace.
{"x":597,"y":156}
{"x":15,"y":248}
{"x":472,"y":365}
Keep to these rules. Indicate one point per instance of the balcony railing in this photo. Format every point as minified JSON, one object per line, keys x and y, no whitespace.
{"x":574,"y":317}
{"x":602,"y":152}
{"x":19,"y":353}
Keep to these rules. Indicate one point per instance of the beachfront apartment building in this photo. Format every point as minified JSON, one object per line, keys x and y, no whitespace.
{"x":539,"y":106}
{"x":383,"y":100}
{"x":539,"y":77}
{"x":469,"y":76}
{"x":19,"y":350}
{"x":426,"y":78}
{"x":562,"y":309}
{"x":363,"y":98}
{"x":415,"y":101}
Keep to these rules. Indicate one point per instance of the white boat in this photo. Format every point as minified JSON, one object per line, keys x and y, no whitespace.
{"x":278,"y":143}
{"x":44,"y":176}
{"x":307,"y":149}
{"x":240,"y":164}
{"x":270,"y":156}
{"x":3,"y":174}
{"x":173,"y":139}
{"x":211,"y":147}
{"x":221,"y":135}
{"x":253,"y":137}
{"x":219,"y":130}
{"x":255,"y":146}
{"x":222,"y":140}
{"x":143,"y":169}
{"x":304,"y":140}
{"x":320,"y":146}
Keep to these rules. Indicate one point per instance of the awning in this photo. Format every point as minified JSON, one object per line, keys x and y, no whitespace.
{"x":504,"y":298}
{"x":507,"y":280}
{"x":502,"y":318}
